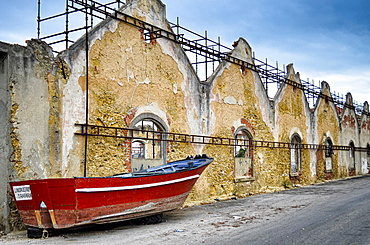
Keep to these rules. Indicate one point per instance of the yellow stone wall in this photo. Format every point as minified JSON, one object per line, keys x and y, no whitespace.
{"x":128,"y":72}
{"x":327,"y":125}
{"x":292,"y":117}
{"x":234,"y":97}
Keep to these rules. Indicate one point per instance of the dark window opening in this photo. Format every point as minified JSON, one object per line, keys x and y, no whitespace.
{"x":351,"y":149}
{"x":329,"y":148}
{"x":296,"y":154}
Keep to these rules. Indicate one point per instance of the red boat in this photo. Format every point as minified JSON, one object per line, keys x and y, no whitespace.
{"x":70,"y":202}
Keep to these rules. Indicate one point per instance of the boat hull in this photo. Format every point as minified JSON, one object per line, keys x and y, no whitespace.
{"x":69,"y":202}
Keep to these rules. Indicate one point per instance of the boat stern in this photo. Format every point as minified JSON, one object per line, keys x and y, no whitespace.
{"x":45,"y":203}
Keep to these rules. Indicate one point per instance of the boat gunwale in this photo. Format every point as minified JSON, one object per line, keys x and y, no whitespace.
{"x":138,"y":174}
{"x":143,"y":173}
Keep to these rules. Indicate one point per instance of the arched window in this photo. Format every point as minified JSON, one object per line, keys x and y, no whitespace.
{"x":145,"y":130}
{"x":351,"y":149}
{"x":329,"y":148}
{"x":328,"y":154}
{"x":295,"y":154}
{"x":243,"y":153}
{"x":147,"y":148}
{"x":352,"y":160}
{"x":243,"y":143}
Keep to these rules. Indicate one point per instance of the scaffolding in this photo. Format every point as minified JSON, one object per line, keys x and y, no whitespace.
{"x":204,"y":53}
{"x":129,"y":133}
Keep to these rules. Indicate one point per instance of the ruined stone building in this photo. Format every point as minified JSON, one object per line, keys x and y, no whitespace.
{"x":126,"y":82}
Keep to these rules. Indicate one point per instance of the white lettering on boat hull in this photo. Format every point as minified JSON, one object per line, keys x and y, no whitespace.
{"x":22,"y":193}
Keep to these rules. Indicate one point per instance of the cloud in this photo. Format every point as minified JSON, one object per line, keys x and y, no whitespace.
{"x":351,"y":80}
{"x":12,"y":37}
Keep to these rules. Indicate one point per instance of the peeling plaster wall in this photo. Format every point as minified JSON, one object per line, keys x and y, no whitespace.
{"x":235,"y":97}
{"x":33,"y":90}
{"x":364,"y":124}
{"x":349,"y":133}
{"x":293,"y":116}
{"x":5,"y":141}
{"x":30,"y":108}
{"x":327,"y":124}
{"x":128,"y":77}
{"x":29,"y":147}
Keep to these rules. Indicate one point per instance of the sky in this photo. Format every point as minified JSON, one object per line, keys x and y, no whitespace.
{"x":325,"y":40}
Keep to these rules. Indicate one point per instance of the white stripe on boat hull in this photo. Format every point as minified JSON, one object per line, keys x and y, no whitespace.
{"x":133,"y":187}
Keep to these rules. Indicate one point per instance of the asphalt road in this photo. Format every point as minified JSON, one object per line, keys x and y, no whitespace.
{"x":337,"y":212}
